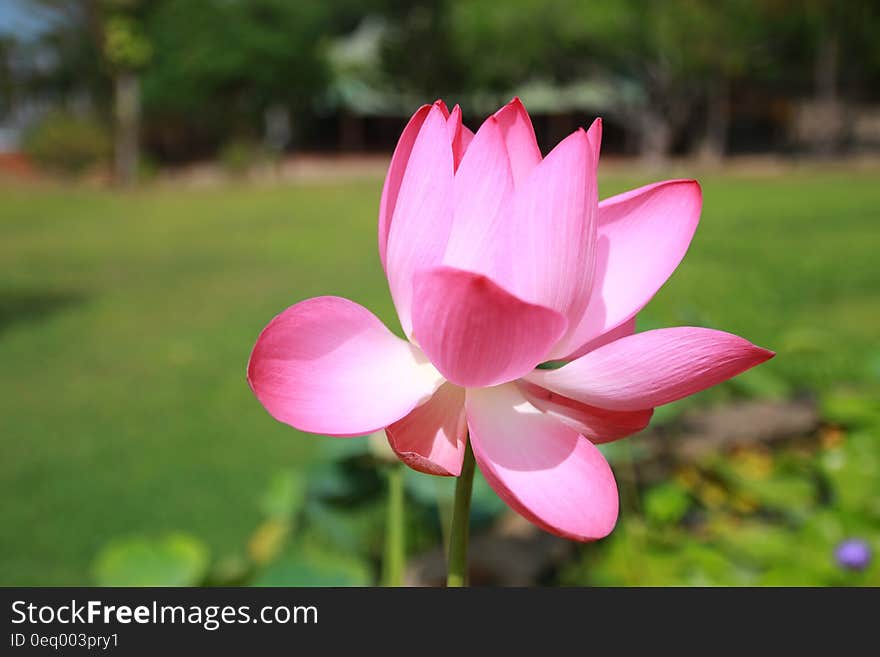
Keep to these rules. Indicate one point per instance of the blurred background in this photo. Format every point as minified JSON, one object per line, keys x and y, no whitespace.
{"x":174,"y":173}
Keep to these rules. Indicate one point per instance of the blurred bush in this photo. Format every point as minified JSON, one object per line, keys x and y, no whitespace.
{"x":320,"y":526}
{"x":68,"y":144}
{"x":239,"y":156}
{"x":805,"y":514}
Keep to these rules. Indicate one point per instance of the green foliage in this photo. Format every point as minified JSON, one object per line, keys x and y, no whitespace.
{"x":567,"y":39}
{"x":666,"y":504}
{"x":485,"y":504}
{"x":315,"y":569}
{"x":761,"y":384}
{"x":220,"y":64}
{"x":135,"y":313}
{"x":764,"y":518}
{"x":801,"y":28}
{"x":851,"y":469}
{"x":174,"y":560}
{"x":278,"y":553}
{"x":419,"y":52}
{"x":851,"y":408}
{"x":212,"y":67}
{"x":67,"y":144}
{"x":284,"y":496}
{"x":125,"y":46}
{"x":240,"y":155}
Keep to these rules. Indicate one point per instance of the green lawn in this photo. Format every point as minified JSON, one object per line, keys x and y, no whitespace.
{"x":126,"y":321}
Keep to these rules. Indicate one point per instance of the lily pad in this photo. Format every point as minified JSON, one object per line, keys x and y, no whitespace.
{"x":172,"y":560}
{"x":315,"y":570}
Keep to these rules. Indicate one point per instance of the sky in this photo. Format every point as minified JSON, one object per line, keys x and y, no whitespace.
{"x":21,"y":19}
{"x":24,"y":21}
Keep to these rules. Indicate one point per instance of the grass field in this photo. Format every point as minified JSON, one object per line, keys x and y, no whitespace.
{"x":126,"y":321}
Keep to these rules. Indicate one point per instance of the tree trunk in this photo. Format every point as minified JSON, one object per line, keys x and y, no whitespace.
{"x":126,"y":146}
{"x":655,"y":137}
{"x":827,"y":102}
{"x":713,"y":145}
{"x":277,"y":130}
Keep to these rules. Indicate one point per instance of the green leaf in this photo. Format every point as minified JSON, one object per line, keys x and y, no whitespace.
{"x":789,"y":492}
{"x":337,"y":450}
{"x":172,"y":560}
{"x":285,"y":496}
{"x":765,"y":545}
{"x":851,"y":409}
{"x":851,"y":469}
{"x":485,"y":501}
{"x":666,"y":504}
{"x":308,"y":569}
{"x":348,"y":529}
{"x":328,"y":481}
{"x":428,"y":489}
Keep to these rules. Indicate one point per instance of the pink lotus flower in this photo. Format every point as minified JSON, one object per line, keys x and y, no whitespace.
{"x":499,"y":260}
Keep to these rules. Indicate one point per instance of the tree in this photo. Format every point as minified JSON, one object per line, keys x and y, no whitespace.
{"x":680,"y":52}
{"x":70,"y":54}
{"x":200,"y":69}
{"x":126,"y":51}
{"x":650,"y":44}
{"x":98,"y":47}
{"x":7,"y":77}
{"x":418,"y":53}
{"x":828,"y":50}
{"x":219,"y":65}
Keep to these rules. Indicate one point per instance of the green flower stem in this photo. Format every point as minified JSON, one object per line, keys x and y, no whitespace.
{"x":461,"y":516}
{"x":394,"y":562}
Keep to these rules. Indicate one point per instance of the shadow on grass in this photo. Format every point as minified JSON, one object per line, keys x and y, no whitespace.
{"x":29,"y":306}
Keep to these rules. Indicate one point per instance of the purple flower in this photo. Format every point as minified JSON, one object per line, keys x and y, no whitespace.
{"x":853,"y":554}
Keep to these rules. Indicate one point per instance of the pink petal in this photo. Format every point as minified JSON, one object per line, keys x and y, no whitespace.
{"x":467,"y":137}
{"x":519,"y":138}
{"x":475,"y":332}
{"x":543,"y":469}
{"x":482,"y":184}
{"x":422,"y":214}
{"x":642,"y":236}
{"x":395,"y":175}
{"x":596,"y":424}
{"x":594,"y":134}
{"x":328,"y":365}
{"x":439,"y":104}
{"x":431,"y":438}
{"x":552,"y":234}
{"x":459,"y":135}
{"x":652,"y":368}
{"x":625,"y":329}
